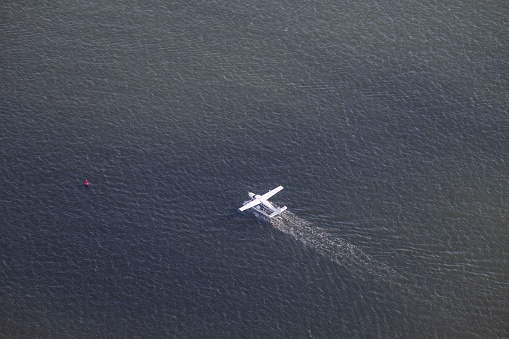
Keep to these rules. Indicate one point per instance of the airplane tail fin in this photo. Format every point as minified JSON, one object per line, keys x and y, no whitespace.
{"x":278,"y":211}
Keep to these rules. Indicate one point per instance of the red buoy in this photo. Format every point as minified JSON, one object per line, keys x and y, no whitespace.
{"x":87,"y":183}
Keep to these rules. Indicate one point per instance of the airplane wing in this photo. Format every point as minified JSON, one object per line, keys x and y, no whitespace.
{"x":249,"y":205}
{"x":272,"y":192}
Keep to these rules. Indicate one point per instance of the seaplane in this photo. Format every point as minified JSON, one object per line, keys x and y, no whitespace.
{"x":261,"y":206}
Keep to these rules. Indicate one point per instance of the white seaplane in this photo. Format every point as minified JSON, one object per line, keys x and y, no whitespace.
{"x":261,"y":205}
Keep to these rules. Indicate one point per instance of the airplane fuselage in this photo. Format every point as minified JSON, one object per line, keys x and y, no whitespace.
{"x":262,"y":200}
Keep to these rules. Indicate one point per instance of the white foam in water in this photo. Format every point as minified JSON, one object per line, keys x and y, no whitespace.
{"x":330,"y":246}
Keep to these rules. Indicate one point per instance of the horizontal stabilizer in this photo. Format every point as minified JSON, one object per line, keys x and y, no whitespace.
{"x":278,"y":211}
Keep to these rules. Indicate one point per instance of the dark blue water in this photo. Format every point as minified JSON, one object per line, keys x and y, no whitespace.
{"x":388,"y":125}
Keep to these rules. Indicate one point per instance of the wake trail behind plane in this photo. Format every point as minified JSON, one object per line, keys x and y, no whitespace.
{"x":334,"y":248}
